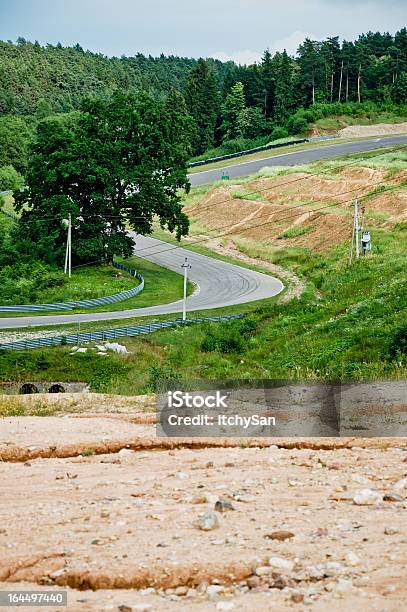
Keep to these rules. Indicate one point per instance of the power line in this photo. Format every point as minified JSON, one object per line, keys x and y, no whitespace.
{"x":171,"y":248}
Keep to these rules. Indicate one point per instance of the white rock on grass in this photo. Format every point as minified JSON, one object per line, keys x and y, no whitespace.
{"x":366,"y":497}
{"x":116,"y":348}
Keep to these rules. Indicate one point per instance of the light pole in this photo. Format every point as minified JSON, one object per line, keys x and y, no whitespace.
{"x":185,"y":266}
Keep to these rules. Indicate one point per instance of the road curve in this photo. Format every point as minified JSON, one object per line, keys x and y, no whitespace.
{"x":218,"y":284}
{"x":294,"y":158}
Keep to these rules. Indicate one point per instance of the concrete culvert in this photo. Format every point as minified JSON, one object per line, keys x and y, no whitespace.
{"x":56,"y":389}
{"x":28,"y":388}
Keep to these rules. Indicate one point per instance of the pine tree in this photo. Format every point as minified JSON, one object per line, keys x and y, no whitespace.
{"x":202,"y":103}
{"x":284,"y":87}
{"x":233,"y":121}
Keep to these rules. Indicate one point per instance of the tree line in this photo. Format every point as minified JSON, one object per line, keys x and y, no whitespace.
{"x":226,"y":101}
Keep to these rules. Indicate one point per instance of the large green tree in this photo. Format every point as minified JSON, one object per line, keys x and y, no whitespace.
{"x":118,"y":164}
{"x":201,"y":98}
{"x":15,"y":137}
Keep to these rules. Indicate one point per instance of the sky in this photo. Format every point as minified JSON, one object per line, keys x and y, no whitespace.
{"x":226,"y":29}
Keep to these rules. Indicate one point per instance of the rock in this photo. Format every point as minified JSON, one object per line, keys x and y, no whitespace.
{"x":328,"y":570}
{"x":115,"y":347}
{"x":247,"y":499}
{"x":332,"y":568}
{"x":225,"y":605}
{"x":343,"y":586}
{"x":182,"y":475}
{"x":223,"y":506}
{"x":83,"y":350}
{"x":393,"y":497}
{"x":280,"y":583}
{"x":142,"y":607}
{"x":253,"y":582}
{"x":264,"y":570}
{"x":213,"y":590}
{"x":391,"y":530}
{"x":211,"y":498}
{"x":124,"y":608}
{"x":198,"y":499}
{"x":280,"y":563}
{"x":400,"y":484}
{"x":352,"y":559}
{"x":181,"y":590}
{"x":297,"y":597}
{"x":280,"y":535}
{"x":208,"y":521}
{"x":366,"y":497}
{"x":126,"y":452}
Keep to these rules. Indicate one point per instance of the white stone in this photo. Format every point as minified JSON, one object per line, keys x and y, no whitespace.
{"x":116,"y":348}
{"x":213,"y":590}
{"x":263,"y":570}
{"x":400,"y":484}
{"x":366,"y":497}
{"x":352,"y":558}
{"x":225,"y":605}
{"x":280,"y":563}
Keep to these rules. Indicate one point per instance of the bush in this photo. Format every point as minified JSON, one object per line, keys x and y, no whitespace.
{"x":398,"y":342}
{"x":228,"y":337}
{"x":297,"y":125}
{"x":279,"y":132}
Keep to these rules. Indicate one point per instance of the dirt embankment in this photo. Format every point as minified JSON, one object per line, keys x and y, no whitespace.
{"x":274,"y":525}
{"x":380,"y":129}
{"x":299,"y":209}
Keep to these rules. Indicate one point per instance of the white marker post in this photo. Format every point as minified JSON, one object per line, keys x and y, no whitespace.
{"x":68,"y":253}
{"x":185,"y":265}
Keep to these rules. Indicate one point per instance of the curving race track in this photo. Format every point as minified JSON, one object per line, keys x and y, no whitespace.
{"x":294,"y":158}
{"x":217,"y":283}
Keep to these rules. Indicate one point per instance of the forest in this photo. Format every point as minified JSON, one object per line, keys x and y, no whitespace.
{"x":232,"y":107}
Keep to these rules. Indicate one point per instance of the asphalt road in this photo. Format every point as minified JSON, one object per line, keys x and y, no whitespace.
{"x":292,"y":159}
{"x":217,"y":283}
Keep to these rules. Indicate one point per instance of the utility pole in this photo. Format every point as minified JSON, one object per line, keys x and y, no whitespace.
{"x":357,"y":228}
{"x":355,"y":233}
{"x":185,"y":266}
{"x":68,"y":252}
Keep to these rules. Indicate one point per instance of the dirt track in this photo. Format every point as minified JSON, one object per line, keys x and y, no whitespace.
{"x":123,"y":522}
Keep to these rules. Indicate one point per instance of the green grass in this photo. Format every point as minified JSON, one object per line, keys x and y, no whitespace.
{"x":161,"y":286}
{"x":293,"y":232}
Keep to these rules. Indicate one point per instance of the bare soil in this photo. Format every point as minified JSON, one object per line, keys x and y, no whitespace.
{"x":380,"y":129}
{"x":319,"y":205}
{"x":118,"y":527}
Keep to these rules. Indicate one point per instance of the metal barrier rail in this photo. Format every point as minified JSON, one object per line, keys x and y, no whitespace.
{"x":247,"y":152}
{"x":109,"y":334}
{"x":102,"y":301}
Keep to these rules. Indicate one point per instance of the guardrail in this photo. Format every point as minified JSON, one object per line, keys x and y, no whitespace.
{"x":109,"y":334}
{"x":211,"y":160}
{"x":92,"y":303}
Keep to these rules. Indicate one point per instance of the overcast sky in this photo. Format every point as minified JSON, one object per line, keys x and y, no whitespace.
{"x":227,"y":29}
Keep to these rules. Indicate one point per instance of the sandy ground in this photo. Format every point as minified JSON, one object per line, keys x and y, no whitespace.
{"x":380,"y":129}
{"x":120,"y":528}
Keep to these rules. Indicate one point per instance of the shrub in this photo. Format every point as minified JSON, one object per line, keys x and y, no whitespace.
{"x":297,"y":125}
{"x":398,"y":342}
{"x":279,"y":132}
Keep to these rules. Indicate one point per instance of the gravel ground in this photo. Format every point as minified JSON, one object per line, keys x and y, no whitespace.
{"x":198,"y":528}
